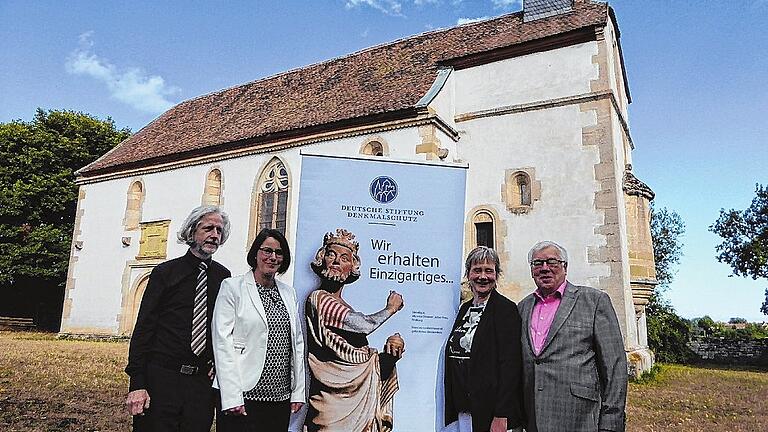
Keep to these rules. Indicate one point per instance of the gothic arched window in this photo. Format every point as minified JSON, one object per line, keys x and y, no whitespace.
{"x":272,"y":197}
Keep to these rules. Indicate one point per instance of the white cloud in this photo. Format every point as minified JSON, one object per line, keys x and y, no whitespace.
{"x":389,"y":7}
{"x":133,"y":86}
{"x":506,"y":4}
{"x":461,"y":21}
{"x":395,"y":7}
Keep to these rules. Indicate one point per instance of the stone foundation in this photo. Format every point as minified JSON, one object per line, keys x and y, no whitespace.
{"x":638,"y":361}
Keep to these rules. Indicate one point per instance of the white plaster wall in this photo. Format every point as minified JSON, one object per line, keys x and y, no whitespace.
{"x":444,"y":103}
{"x":526,"y":79}
{"x":97,"y":293}
{"x":99,"y":267}
{"x":550,"y":142}
{"x":616,"y":75}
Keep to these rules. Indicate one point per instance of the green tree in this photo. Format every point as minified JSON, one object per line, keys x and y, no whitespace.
{"x":38,"y":196}
{"x":668,"y":333}
{"x":667,"y":228}
{"x":756,"y":331}
{"x":745,"y":239}
{"x":707,"y":324}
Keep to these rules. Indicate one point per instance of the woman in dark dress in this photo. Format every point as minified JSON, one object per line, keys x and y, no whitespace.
{"x":483,"y":360}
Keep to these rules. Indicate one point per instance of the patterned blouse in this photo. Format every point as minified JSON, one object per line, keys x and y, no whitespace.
{"x":460,"y":341}
{"x":459,"y":351}
{"x":275,"y":382}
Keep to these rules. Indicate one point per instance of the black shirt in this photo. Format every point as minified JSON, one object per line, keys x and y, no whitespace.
{"x":163,"y":330}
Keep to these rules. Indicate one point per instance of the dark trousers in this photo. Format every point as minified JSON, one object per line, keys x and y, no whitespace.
{"x":262,"y":417}
{"x":177,"y":402}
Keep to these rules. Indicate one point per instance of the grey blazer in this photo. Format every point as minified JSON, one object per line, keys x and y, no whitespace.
{"x":579,"y":380}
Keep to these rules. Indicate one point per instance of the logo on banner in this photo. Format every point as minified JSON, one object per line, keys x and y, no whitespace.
{"x":383,"y":189}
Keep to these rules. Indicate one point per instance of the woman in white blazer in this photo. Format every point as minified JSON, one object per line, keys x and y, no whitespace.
{"x":258,"y":344}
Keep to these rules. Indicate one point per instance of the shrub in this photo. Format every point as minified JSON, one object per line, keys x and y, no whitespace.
{"x":668,"y":333}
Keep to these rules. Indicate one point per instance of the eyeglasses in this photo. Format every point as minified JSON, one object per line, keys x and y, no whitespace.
{"x":551,"y":262}
{"x":269,"y":251}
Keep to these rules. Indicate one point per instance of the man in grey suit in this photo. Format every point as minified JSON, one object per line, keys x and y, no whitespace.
{"x":574,"y":364}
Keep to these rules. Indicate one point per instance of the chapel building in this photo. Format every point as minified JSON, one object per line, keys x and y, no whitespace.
{"x":534,"y":102}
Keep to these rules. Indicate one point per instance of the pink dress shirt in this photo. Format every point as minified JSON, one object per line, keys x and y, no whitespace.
{"x":542,"y":316}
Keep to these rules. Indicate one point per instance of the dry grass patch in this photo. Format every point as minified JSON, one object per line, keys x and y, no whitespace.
{"x":61,"y":385}
{"x":690,"y":399}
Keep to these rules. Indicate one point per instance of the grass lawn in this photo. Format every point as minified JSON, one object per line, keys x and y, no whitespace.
{"x":686,"y":398}
{"x":62,"y":385}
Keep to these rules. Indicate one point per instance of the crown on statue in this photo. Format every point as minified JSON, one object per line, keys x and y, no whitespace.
{"x":341,"y":238}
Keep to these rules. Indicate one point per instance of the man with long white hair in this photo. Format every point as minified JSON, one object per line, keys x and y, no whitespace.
{"x":170,"y":359}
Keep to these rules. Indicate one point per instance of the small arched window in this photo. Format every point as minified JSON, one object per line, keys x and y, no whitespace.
{"x":520,"y":189}
{"x":272,"y":197}
{"x":133,"y":206}
{"x":374,"y":147}
{"x":212,"y":191}
{"x":523,"y":189}
{"x":484,"y":229}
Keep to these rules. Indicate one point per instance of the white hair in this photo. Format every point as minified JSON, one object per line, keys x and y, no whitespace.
{"x":561,"y":252}
{"x":187,"y":232}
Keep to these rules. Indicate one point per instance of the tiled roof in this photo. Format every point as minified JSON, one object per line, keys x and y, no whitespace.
{"x":384,"y":79}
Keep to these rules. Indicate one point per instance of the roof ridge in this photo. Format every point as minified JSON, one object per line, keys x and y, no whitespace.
{"x":378,"y":80}
{"x":348,"y":55}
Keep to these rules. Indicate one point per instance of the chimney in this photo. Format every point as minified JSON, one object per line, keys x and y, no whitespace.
{"x":536,"y":9}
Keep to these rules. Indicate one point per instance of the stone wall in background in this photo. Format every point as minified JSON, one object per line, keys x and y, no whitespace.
{"x":751,"y":352}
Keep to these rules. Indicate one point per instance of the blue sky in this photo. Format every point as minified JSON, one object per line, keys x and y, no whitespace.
{"x":697,"y":74}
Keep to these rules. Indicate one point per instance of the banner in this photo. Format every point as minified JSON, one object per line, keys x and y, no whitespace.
{"x":407,"y":220}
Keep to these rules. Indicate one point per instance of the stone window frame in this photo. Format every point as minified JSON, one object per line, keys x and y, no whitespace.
{"x":510,"y":190}
{"x":132,"y":298}
{"x":499,"y":229}
{"x":134,"y":204}
{"x":260,"y":183}
{"x":370,"y":144}
{"x":213,"y":188}
{"x":470,"y":239}
{"x":484,"y":217}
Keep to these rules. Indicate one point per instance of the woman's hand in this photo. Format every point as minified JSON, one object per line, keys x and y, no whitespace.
{"x":238,"y":411}
{"x":296,"y":406}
